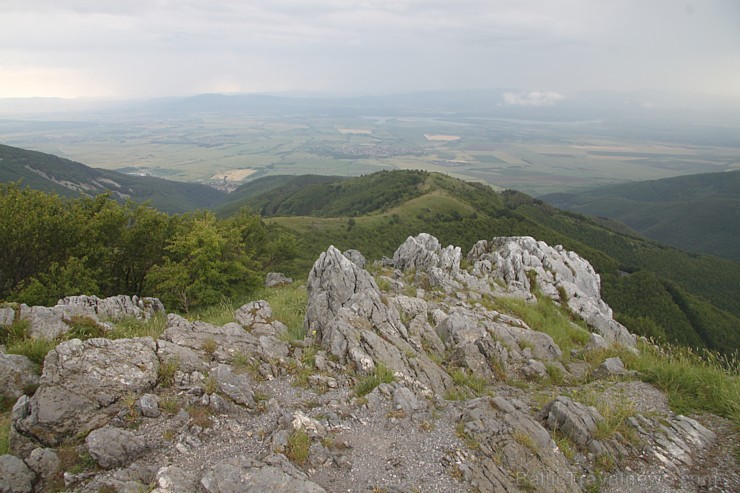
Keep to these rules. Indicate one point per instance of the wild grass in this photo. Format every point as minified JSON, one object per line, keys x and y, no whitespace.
{"x":288,"y":303}
{"x":544,"y":316}
{"x":477,"y":386}
{"x":368,"y":384}
{"x":131,"y":327}
{"x":694,"y":381}
{"x":298,"y":445}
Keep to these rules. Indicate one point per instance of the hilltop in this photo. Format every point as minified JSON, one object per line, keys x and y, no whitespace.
{"x":698,"y":213}
{"x":50,"y":173}
{"x":656,"y":290}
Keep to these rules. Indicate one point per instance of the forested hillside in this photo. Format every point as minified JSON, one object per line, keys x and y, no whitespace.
{"x":699,"y":213}
{"x":656,"y":290}
{"x":50,"y":173}
{"x":51,"y":247}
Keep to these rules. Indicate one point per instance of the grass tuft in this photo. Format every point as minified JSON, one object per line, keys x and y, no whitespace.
{"x":298,"y":445}
{"x":368,"y":384}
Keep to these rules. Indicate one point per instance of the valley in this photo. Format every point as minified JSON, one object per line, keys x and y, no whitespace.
{"x":226,"y":140}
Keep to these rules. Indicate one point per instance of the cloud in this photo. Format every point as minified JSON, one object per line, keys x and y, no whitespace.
{"x":533,"y":98}
{"x":155,"y":47}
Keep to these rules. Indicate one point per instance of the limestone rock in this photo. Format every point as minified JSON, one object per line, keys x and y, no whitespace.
{"x":113,"y":447}
{"x":514,"y":449}
{"x":17,"y":373}
{"x":558,"y":273}
{"x":173,"y":479}
{"x":45,"y":463}
{"x":276,"y":279}
{"x":82,"y":383}
{"x":149,"y":405}
{"x":356,"y":258}
{"x":251,"y":476}
{"x":236,"y":386}
{"x":112,"y":308}
{"x":353,"y":323}
{"x":15,"y":476}
{"x":7,"y":316}
{"x":611,"y":367}
{"x":573,"y":419}
{"x":45,"y":322}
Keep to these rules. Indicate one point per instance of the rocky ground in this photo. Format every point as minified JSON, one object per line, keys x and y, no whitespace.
{"x":409,"y":380}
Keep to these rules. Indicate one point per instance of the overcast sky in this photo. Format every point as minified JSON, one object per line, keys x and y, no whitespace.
{"x":132,"y":48}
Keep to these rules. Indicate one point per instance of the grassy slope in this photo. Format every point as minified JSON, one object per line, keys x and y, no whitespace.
{"x":696,"y":212}
{"x":168,"y":196}
{"x":693,"y":299}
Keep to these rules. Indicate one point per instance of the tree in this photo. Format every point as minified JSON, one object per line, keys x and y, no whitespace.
{"x":204,"y":264}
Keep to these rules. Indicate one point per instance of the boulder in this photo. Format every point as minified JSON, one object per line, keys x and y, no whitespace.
{"x":15,"y":476}
{"x":18,"y":375}
{"x":112,"y":308}
{"x":612,"y":367}
{"x":114,"y":447}
{"x":45,"y":322}
{"x":148,"y":405}
{"x":276,"y":279}
{"x":45,"y":463}
{"x":238,"y":475}
{"x":82,"y":385}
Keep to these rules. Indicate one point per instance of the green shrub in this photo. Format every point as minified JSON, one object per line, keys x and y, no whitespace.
{"x":298,"y":445}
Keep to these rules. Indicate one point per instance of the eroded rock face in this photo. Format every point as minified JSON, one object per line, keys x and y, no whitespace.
{"x":82,"y":383}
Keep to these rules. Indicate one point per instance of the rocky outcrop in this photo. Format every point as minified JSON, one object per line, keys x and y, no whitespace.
{"x":517,"y":452}
{"x":51,"y":322}
{"x":353,"y":323}
{"x":558,"y":273}
{"x":82,"y":386}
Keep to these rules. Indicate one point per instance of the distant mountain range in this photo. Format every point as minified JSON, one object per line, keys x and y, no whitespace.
{"x":698,"y":213}
{"x":68,"y":178}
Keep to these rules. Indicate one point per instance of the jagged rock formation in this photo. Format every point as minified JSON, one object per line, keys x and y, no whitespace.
{"x":413,"y":379}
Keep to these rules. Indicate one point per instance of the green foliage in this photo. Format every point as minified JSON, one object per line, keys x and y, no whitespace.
{"x":81,"y":327}
{"x":133,"y":327}
{"x":381,"y":374}
{"x":204,"y":264}
{"x":70,"y":279}
{"x":469,"y":385}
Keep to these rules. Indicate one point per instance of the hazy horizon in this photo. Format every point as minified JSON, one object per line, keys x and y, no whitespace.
{"x":546,"y":50}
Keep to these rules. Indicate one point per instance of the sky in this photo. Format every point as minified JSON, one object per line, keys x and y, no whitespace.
{"x":545,"y":49}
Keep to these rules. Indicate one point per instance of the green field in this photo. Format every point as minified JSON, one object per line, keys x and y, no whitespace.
{"x":534,"y":157}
